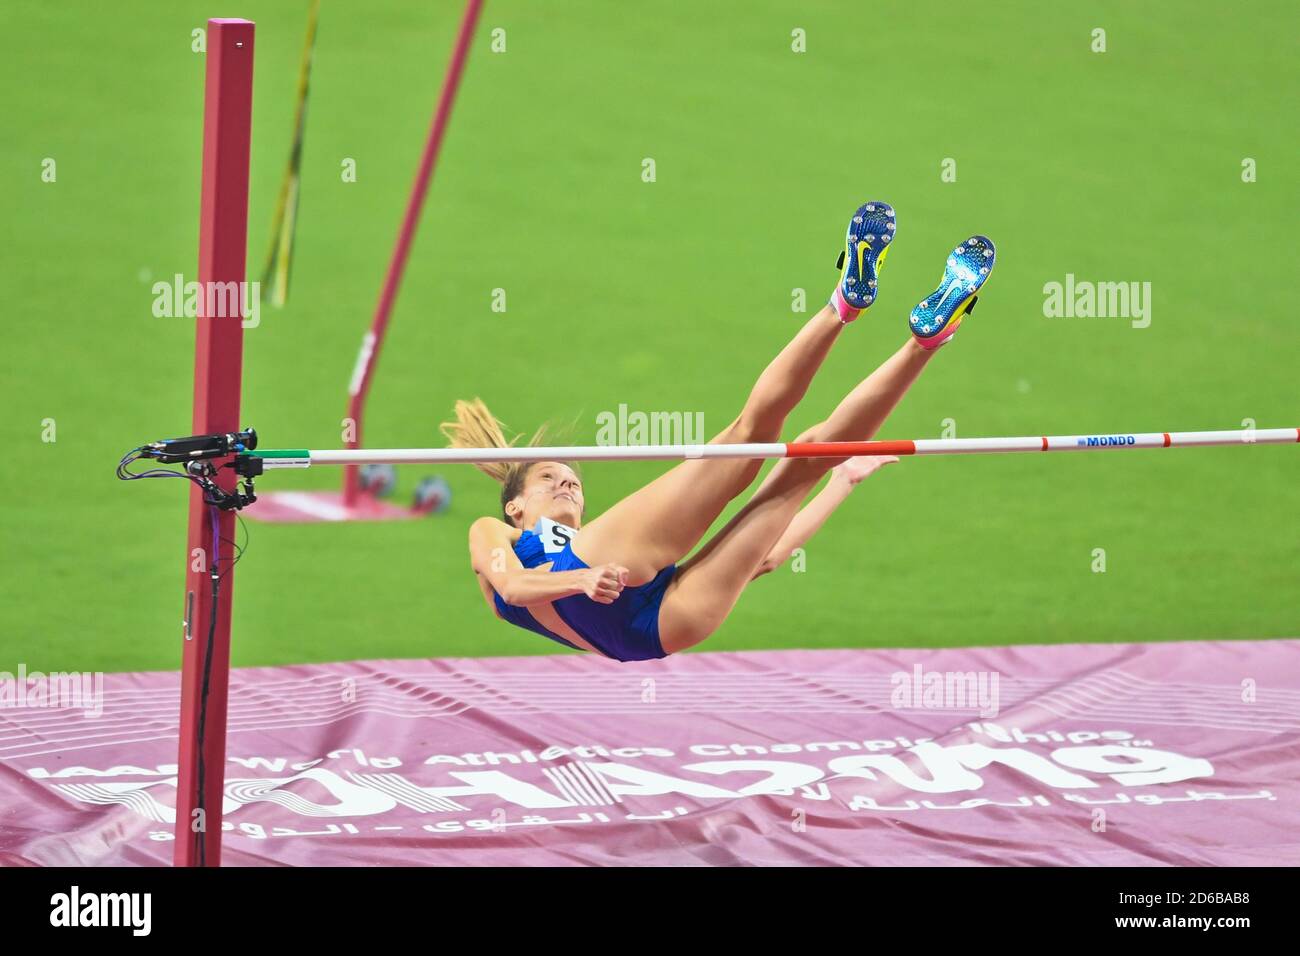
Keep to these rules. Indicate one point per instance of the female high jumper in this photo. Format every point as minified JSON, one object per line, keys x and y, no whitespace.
{"x":612,"y":585}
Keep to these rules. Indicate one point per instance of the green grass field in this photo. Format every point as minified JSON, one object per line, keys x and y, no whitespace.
{"x":667,"y":296}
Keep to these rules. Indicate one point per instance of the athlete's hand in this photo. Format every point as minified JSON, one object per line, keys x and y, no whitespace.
{"x":855,"y":469}
{"x":605,"y":582}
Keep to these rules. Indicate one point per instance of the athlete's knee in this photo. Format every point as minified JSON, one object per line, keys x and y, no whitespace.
{"x":816,"y":467}
{"x":755,"y":426}
{"x":729,"y":434}
{"x":812,"y":434}
{"x":796,"y":476}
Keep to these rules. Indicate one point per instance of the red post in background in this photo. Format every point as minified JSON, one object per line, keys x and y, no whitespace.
{"x":359,"y":387}
{"x":218,"y":364}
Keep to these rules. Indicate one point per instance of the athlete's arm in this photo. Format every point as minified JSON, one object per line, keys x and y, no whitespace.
{"x":486,"y":590}
{"x":844,"y":478}
{"x":493,"y":556}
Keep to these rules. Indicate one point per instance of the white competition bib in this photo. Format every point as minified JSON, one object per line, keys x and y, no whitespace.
{"x":553,"y":535}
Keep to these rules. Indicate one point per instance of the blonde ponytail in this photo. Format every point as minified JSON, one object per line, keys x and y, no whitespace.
{"x":476,"y":427}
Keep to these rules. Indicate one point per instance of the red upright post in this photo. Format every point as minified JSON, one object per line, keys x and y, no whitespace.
{"x":374,"y":338}
{"x":218,"y":361}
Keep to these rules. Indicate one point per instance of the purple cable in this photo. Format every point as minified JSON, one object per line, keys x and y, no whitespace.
{"x":216,"y":539}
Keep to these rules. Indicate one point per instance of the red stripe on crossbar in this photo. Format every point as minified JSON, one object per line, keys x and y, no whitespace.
{"x":847,"y":449}
{"x":1044,"y":443}
{"x":1167,"y":440}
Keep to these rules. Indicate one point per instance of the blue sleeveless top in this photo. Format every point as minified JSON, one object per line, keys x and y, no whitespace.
{"x":626,"y":630}
{"x":538,"y":545}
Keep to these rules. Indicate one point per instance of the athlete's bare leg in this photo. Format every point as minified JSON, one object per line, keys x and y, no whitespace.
{"x":706,"y":588}
{"x":660,"y":524}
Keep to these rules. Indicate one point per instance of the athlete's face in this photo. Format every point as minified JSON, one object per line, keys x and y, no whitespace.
{"x":551,"y":490}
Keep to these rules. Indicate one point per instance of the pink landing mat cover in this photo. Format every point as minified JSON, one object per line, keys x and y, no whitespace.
{"x":1103,"y":754}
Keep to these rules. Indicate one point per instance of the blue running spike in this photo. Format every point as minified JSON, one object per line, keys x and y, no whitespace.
{"x":866,"y":242}
{"x":969,"y":265}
